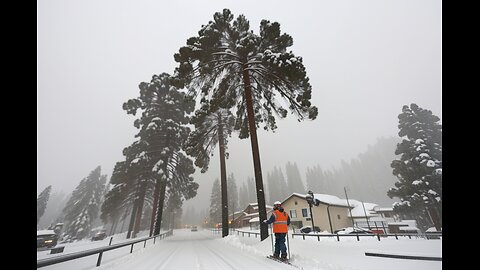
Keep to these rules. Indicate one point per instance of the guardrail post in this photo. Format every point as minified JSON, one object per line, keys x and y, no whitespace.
{"x":145,"y":243}
{"x":396,"y":237}
{"x":110,"y":243}
{"x":131,"y":249}
{"x":358,"y":238}
{"x":99,"y":258}
{"x":318,"y":236}
{"x":378,"y":235}
{"x":409,"y":236}
{"x":303,"y":236}
{"x":338,"y":238}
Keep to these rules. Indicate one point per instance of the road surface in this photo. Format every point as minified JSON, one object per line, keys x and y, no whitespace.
{"x":195,"y":250}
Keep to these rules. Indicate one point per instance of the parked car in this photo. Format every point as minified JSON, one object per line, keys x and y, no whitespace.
{"x":194,"y":229}
{"x":308,"y":229}
{"x":354,"y":230}
{"x":46,"y":238}
{"x":99,"y":236}
{"x":432,"y":233}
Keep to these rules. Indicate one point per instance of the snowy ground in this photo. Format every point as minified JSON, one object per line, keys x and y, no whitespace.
{"x":207,"y":250}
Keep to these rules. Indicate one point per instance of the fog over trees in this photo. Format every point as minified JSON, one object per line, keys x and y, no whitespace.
{"x":223,"y":82}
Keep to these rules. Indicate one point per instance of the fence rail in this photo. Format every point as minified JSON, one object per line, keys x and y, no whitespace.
{"x":379,"y":236}
{"x":99,"y":251}
{"x":233,"y":230}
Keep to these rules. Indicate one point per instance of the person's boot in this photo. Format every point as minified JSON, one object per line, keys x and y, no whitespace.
{"x":275,"y":255}
{"x":284,"y":257}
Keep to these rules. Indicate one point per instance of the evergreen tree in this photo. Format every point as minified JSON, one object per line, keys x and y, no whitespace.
{"x":53,"y":212}
{"x":163,"y":131}
{"x":272,"y":187}
{"x":83,"y":206}
{"x":232,"y":194}
{"x":42,"y":201}
{"x":315,"y":179}
{"x":294,"y":180}
{"x":251,"y":190}
{"x":212,"y":124}
{"x":419,"y":169}
{"x":282,"y":183}
{"x":215,"y":212}
{"x":228,"y":62}
{"x":276,"y":185}
{"x":119,"y":199}
{"x":243,"y":196}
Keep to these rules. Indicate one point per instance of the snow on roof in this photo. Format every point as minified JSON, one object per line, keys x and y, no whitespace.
{"x":358,"y":211}
{"x":255,"y":219}
{"x":408,"y":228}
{"x":325,"y":198}
{"x":44,"y":232}
{"x":382,"y":209}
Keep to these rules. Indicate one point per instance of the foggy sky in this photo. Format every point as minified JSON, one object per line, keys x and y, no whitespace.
{"x":365,"y":60}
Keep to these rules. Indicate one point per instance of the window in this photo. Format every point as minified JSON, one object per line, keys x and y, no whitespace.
{"x":338,"y":216}
{"x":293,"y":213}
{"x":304,"y":212}
{"x":296,"y":202}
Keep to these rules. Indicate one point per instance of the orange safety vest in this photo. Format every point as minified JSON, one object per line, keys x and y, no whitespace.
{"x":280,"y":223}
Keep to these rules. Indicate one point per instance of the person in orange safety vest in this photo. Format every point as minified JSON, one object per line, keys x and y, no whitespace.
{"x":280,"y":220}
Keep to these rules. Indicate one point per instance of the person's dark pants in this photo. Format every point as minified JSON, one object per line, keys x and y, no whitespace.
{"x":280,"y":246}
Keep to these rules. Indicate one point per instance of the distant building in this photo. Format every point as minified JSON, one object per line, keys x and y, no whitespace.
{"x":247,"y":217}
{"x":330,"y":215}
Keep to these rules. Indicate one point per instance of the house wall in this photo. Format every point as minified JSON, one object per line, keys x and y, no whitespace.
{"x":320,"y":214}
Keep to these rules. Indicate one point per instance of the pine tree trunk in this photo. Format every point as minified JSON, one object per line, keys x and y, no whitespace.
{"x":262,"y":211}
{"x":223,"y":177}
{"x":434,"y":218}
{"x":114,"y":224}
{"x":124,"y":219}
{"x":161,"y":199}
{"x":155,"y":202}
{"x":138,"y":217}
{"x":132,"y":220}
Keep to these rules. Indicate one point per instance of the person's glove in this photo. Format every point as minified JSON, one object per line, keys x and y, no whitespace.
{"x":264,"y":221}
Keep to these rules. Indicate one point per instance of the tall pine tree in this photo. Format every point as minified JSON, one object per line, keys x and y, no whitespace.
{"x":419,"y":169}
{"x":215,"y":211}
{"x":232,"y":194}
{"x":213,"y":125}
{"x":83,"y":207}
{"x":294,"y":180}
{"x":250,"y":72}
{"x":163,"y":129}
{"x":42,"y":201}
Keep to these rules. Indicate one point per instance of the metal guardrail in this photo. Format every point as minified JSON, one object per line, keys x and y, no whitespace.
{"x":408,"y":257}
{"x":249,"y":233}
{"x":377,"y":235}
{"x":233,"y":230}
{"x":99,"y":251}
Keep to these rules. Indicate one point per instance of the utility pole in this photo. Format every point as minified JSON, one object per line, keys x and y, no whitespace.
{"x":349,"y":209}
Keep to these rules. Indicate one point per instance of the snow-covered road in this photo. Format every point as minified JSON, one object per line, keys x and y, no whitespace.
{"x":207,"y":250}
{"x":194,"y":250}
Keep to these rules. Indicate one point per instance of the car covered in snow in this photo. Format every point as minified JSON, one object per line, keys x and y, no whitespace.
{"x":46,"y":238}
{"x":308,"y":229}
{"x":194,"y":229}
{"x":100,"y":235}
{"x":353,"y":230}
